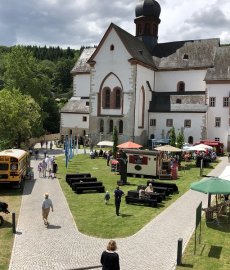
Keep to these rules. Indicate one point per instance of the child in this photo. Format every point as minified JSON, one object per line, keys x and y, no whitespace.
{"x":107,"y":197}
{"x":50,"y":173}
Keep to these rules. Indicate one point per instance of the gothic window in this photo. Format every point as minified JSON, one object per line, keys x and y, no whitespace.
{"x":107,"y":98}
{"x":102,"y":126}
{"x":121,"y":127}
{"x":111,"y":126}
{"x":147,"y":29}
{"x":118,"y":98}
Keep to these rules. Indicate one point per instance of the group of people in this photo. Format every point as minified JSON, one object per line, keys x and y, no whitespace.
{"x":144,"y":193}
{"x":46,"y":143}
{"x":48,"y":164}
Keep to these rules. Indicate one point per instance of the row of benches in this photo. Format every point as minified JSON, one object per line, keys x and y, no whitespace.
{"x":83,"y":181}
{"x":161,"y":190}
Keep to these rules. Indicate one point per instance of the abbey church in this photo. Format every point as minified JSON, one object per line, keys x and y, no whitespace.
{"x":144,"y":87}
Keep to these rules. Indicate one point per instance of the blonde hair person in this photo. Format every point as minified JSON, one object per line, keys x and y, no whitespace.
{"x":109,"y":258}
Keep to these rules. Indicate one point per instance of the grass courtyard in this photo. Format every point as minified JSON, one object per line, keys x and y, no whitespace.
{"x":92,"y":216}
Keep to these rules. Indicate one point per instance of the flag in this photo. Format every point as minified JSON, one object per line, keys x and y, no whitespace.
{"x":66,"y":151}
{"x":73,"y":145}
{"x":71,"y":148}
{"x":77,"y":147}
{"x":84,"y":148}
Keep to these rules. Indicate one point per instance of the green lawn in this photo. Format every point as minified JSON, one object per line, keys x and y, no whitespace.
{"x":13,"y":198}
{"x":95,"y":218}
{"x":212,"y":252}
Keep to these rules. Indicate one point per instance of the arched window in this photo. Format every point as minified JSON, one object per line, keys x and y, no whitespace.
{"x":147,"y":29}
{"x":118,"y":98}
{"x":139,"y":29}
{"x":111,"y":126}
{"x":121,"y":127}
{"x":190,"y":139}
{"x":152,"y":136}
{"x":102,"y":126}
{"x":107,"y":98}
{"x":180,"y":87}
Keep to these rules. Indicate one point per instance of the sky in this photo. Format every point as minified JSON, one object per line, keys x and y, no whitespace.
{"x":73,"y":23}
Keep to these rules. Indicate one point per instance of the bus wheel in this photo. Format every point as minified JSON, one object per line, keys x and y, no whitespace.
{"x":1,"y":220}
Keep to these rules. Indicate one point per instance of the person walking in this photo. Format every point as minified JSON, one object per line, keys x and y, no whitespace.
{"x":51,"y":145}
{"x":108,"y":158}
{"x":109,"y":258}
{"x":40,"y":169}
{"x":46,"y":205}
{"x":36,"y":152}
{"x":118,"y":194}
{"x":44,"y":168}
{"x":47,"y":161}
{"x":45,"y":152}
{"x":52,"y":162}
{"x":55,"y":168}
{"x":107,"y":197}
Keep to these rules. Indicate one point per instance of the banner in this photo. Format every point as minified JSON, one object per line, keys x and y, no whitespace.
{"x":66,"y":151}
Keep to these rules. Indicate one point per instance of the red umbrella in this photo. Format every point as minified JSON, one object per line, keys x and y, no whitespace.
{"x":129,"y":145}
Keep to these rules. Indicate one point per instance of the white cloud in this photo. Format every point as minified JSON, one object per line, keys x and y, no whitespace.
{"x":74,"y":23}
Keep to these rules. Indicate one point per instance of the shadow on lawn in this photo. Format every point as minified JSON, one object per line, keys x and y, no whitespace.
{"x":215,"y":252}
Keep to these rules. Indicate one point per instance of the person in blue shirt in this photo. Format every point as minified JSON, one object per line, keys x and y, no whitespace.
{"x":118,"y":194}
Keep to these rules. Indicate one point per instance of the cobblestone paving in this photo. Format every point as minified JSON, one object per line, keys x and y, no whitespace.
{"x":62,"y":246}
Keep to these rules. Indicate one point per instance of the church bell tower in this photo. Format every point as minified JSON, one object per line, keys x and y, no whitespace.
{"x":147,"y":22}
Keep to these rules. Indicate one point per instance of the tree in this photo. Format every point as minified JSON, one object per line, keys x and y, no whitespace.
{"x":173,"y":136}
{"x":21,"y":73}
{"x":115,"y":141}
{"x":180,"y":142}
{"x":19,"y":116}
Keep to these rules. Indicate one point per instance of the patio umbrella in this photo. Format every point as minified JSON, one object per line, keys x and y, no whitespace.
{"x":213,"y":185}
{"x":105,"y":143}
{"x":196,"y":148}
{"x":130,"y":145}
{"x":205,"y":146}
{"x":168,"y":148}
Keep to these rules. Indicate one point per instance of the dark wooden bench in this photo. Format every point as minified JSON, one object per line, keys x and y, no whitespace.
{"x":80,"y":190}
{"x":87,"y":179}
{"x":150,"y":202}
{"x":134,"y":193}
{"x":172,"y":186}
{"x":161,"y":190}
{"x":76,"y":175}
{"x":86,"y":184}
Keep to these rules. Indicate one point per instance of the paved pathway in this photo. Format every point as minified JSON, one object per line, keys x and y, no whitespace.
{"x":62,"y":246}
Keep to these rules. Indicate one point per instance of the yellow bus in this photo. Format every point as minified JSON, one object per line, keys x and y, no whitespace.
{"x":13,"y":167}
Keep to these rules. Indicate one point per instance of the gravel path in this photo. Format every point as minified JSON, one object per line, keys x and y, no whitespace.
{"x":62,"y":246}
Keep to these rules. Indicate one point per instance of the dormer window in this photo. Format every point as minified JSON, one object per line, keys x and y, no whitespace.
{"x":112,"y":47}
{"x":186,"y":57}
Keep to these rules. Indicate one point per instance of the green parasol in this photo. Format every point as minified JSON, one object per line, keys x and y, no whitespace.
{"x":212,"y":185}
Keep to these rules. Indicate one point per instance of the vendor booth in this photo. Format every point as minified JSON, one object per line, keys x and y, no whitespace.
{"x":142,"y":163}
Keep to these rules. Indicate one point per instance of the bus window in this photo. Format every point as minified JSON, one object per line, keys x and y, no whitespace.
{"x":14,"y":167}
{"x":4,"y":166}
